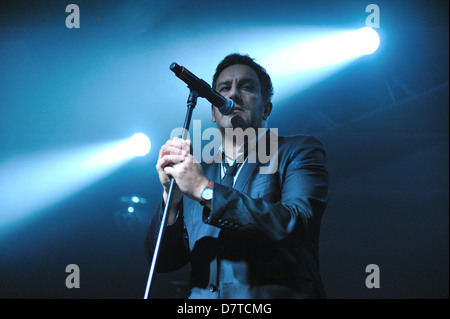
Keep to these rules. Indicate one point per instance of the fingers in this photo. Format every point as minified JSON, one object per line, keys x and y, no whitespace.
{"x":177,"y":145}
{"x":168,"y":170}
{"x":174,"y":151}
{"x":169,"y":159}
{"x":176,"y":161}
{"x":171,"y":150}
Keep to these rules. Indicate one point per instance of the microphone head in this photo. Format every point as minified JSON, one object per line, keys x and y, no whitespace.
{"x":227,"y":108}
{"x":176,"y":68}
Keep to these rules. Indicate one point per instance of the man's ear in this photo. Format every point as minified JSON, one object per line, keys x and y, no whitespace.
{"x":213,"y":118}
{"x":267,"y":110}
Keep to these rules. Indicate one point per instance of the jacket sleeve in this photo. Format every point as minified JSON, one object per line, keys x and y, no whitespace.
{"x":173,"y":252}
{"x":304,"y":192}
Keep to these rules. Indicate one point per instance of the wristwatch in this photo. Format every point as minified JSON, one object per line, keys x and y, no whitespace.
{"x":207,"y":193}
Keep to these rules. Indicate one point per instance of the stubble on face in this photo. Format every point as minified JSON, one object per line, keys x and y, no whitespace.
{"x":241,"y":84}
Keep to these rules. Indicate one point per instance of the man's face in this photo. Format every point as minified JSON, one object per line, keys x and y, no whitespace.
{"x":241,"y":84}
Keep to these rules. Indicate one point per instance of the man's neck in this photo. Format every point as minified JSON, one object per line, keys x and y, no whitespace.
{"x":232,"y":148}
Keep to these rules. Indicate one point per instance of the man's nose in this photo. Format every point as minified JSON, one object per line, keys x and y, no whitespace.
{"x":234,"y":94}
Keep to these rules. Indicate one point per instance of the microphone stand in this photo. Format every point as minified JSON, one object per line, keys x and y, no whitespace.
{"x":191,"y":103}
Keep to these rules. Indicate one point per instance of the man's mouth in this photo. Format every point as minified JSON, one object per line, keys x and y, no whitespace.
{"x":238,"y":109}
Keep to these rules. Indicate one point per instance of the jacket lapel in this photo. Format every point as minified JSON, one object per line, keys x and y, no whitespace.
{"x":244,"y":175}
{"x":253,"y":163}
{"x":212,"y":171}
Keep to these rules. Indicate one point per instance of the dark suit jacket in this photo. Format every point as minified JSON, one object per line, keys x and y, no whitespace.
{"x":260,"y":239}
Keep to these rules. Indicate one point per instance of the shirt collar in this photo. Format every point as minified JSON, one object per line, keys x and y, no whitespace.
{"x":241,"y":153}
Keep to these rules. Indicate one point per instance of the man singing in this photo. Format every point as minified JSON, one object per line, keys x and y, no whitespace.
{"x":247,"y":232}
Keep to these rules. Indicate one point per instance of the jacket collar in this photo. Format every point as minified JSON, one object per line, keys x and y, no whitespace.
{"x":212,"y":171}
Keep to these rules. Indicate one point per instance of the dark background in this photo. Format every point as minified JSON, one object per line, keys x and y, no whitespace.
{"x":383,"y":120}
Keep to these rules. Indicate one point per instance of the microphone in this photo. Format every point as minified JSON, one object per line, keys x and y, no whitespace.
{"x":225,"y":106}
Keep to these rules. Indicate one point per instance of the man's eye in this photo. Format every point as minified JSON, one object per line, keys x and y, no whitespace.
{"x":224,"y":88}
{"x":247,"y":87}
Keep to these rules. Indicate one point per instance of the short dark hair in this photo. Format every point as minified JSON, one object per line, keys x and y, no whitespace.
{"x":237,"y":58}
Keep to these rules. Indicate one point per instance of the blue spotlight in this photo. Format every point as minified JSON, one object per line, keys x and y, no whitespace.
{"x":322,"y":52}
{"x":33,"y":182}
{"x":135,"y":199}
{"x":131,"y":214}
{"x":366,"y":41}
{"x":301,"y":64}
{"x":139,"y":144}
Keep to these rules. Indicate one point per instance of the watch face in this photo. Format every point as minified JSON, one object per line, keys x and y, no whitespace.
{"x":207,"y":194}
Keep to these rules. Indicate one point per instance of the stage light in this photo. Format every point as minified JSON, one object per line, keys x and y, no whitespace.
{"x":139,"y":144}
{"x":135,"y":199}
{"x":369,"y":40}
{"x":131,"y":214}
{"x":322,"y":52}
{"x":33,"y":182}
{"x":307,"y":61}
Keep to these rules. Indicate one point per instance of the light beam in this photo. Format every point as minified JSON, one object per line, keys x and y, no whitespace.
{"x":33,"y":182}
